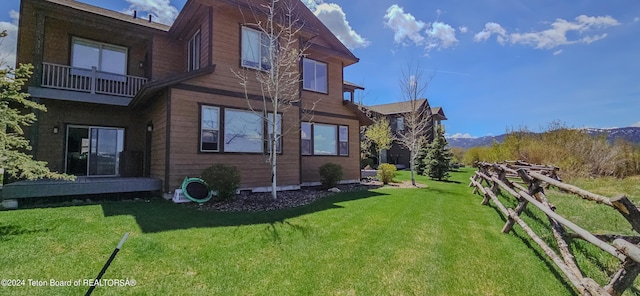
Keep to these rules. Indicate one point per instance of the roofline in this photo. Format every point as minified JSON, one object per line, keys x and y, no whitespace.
{"x":103,"y":12}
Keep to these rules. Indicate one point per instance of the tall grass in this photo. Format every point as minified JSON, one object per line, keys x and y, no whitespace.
{"x":577,"y":153}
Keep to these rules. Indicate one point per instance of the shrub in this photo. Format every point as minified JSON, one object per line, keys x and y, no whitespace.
{"x":366,"y":162}
{"x":224,"y":179}
{"x":330,"y":174}
{"x":386,"y":172}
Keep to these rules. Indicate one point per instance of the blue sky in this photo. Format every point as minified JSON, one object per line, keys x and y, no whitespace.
{"x":497,"y":64}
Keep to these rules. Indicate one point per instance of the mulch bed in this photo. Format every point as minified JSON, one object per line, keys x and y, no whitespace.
{"x":262,"y":201}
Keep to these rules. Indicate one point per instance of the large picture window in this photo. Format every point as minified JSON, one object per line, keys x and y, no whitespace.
{"x":324,"y":139}
{"x":314,"y":75}
{"x":255,"y":49}
{"x":243,"y":131}
{"x":86,"y":54}
{"x":194,"y":52}
{"x":210,"y":129}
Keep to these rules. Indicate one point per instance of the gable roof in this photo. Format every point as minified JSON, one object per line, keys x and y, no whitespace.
{"x":311,"y":24}
{"x":438,"y":113}
{"x":395,"y":108}
{"x":109,"y":13}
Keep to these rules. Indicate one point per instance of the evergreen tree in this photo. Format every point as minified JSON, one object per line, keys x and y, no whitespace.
{"x":420,"y":165}
{"x":16,"y":112}
{"x":438,"y":159}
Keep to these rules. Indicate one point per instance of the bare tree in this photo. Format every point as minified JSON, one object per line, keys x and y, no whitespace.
{"x":278,"y":75}
{"x":417,"y":121}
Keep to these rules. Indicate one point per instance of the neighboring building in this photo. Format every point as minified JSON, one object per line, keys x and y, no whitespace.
{"x":394,"y":112}
{"x":127,"y":97}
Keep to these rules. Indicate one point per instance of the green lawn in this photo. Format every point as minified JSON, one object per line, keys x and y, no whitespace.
{"x":433,"y":241}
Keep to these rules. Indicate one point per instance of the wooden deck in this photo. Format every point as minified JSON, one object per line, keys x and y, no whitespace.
{"x":81,"y":186}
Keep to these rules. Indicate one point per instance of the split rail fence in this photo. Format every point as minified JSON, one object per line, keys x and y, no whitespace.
{"x":526,"y":183}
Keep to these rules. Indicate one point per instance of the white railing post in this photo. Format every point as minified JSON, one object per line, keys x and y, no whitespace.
{"x":93,"y":80}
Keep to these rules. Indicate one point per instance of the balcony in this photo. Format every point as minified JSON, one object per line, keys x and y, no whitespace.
{"x":90,"y":81}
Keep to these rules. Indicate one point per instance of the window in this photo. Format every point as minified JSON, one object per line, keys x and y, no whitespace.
{"x":400,"y":123}
{"x":243,"y":131}
{"x":324,"y":139}
{"x":86,"y":54}
{"x":314,"y":75}
{"x":305,"y":138}
{"x":209,"y":129}
{"x":194,"y":52}
{"x":344,"y":140}
{"x":255,"y":49}
{"x":278,"y":132}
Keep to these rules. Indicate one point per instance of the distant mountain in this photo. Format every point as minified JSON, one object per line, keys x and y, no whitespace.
{"x":631,"y":134}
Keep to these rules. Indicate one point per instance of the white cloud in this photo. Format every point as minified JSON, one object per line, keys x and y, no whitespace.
{"x":557,"y":52}
{"x":9,"y":43}
{"x":490,"y":29}
{"x":441,"y":35}
{"x":407,"y":29}
{"x":636,"y":19}
{"x":637,"y":124}
{"x":461,"y":136}
{"x":554,"y":37}
{"x":161,"y":10}
{"x":335,"y":19}
{"x":463,"y":29}
{"x":404,"y":25}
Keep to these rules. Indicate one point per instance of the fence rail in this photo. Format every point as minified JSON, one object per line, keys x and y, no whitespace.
{"x":91,"y":81}
{"x":512,"y":177}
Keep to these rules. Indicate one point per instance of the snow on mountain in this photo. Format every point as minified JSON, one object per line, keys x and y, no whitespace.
{"x":630,"y":134}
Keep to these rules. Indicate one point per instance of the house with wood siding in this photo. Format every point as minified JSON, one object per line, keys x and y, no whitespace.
{"x":395,"y":113}
{"x":131,"y":98}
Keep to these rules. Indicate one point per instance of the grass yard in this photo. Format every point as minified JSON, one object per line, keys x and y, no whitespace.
{"x":432,"y":241}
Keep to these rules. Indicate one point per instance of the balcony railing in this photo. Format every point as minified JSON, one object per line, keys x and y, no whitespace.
{"x":91,"y":81}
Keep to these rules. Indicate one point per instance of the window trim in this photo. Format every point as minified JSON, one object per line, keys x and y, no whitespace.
{"x":193,"y":63}
{"x":315,"y":64}
{"x":202,"y":107}
{"x":100,"y":46}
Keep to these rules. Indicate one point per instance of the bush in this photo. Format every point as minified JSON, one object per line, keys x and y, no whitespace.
{"x":224,"y":179}
{"x":366,"y":162}
{"x":386,"y":172}
{"x":330,"y":174}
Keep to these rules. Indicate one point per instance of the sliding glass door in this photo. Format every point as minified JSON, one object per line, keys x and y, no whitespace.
{"x":93,"y":151}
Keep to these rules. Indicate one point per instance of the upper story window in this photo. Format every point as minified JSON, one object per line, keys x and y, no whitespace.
{"x":86,"y":54}
{"x":314,"y":75}
{"x":194,"y":52}
{"x":255,"y":49}
{"x":400,"y":123}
